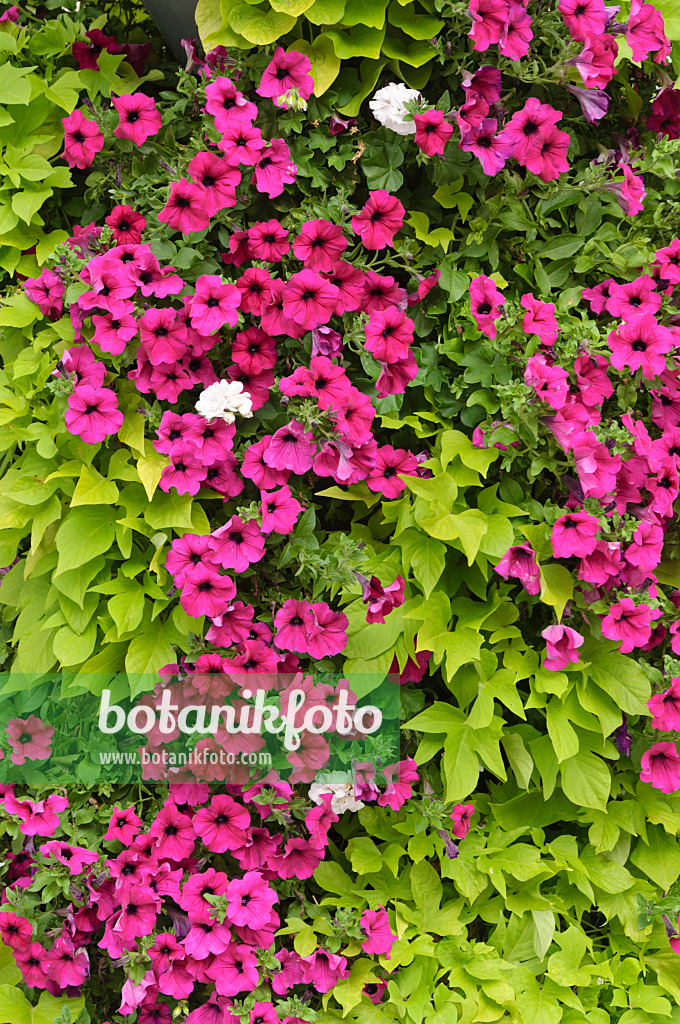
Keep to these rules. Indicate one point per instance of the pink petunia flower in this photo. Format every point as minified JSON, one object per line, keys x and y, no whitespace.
{"x":642,"y":343}
{"x":520,"y":561}
{"x":432,"y":132}
{"x":460,"y":816}
{"x":379,"y":221}
{"x":30,"y":739}
{"x":661,"y":767}
{"x":574,"y":534}
{"x":629,"y":623}
{"x":279,"y":510}
{"x":291,"y":447}
{"x":82,"y":140}
{"x":664,"y":708}
{"x":139,"y":119}
{"x":286,"y":72}
{"x":379,"y":936}
{"x":93,"y":413}
{"x":185,"y":209}
{"x":219,"y":179}
{"x":562,"y":646}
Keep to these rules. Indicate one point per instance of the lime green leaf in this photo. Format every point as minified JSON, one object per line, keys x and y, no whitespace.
{"x":415,"y":23}
{"x":9,"y":972}
{"x":72,"y":648}
{"x":349,"y":991}
{"x":557,"y":587}
{"x":420,"y":223}
{"x":292,"y":7}
{"x":94,"y":489}
{"x":358,"y":12}
{"x":586,"y":780}
{"x":127,"y":611}
{"x":151,"y":649}
{"x":150,"y":469}
{"x":425,"y":556}
{"x":26,"y":204}
{"x":325,"y":12}
{"x":13,"y":85}
{"x":461,"y":765}
{"x":414,"y":53}
{"x":369,"y":74}
{"x":85,"y":533}
{"x":360,"y":42}
{"x":659,"y":858}
{"x":259,"y":26}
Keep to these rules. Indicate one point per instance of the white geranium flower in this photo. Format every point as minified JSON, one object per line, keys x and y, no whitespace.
{"x":223,"y":400}
{"x":389,"y":107}
{"x":342,"y":796}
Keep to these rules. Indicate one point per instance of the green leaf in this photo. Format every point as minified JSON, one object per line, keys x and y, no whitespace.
{"x":461,"y":765}
{"x":558,"y":248}
{"x":562,"y":733}
{"x":9,"y":972}
{"x":659,"y":858}
{"x":364,"y":855}
{"x":358,"y":12}
{"x":73,"y":649}
{"x":93,"y":489}
{"x":453,"y":443}
{"x":425,"y":556}
{"x":349,"y":991}
{"x":325,"y":64}
{"x":413,"y":53}
{"x":420,"y":223}
{"x":13,"y":85}
{"x":151,"y":649}
{"x":381,"y":168}
{"x":127,"y":610}
{"x":544,"y":929}
{"x":414,"y":23}
{"x":369,"y":75}
{"x":586,"y":780}
{"x":85,"y":533}
{"x":259,"y":26}
{"x":360,"y":42}
{"x":557,"y":587}
{"x":26,"y":204}
{"x":292,"y":7}
{"x":325,"y":12}
{"x":150,"y":469}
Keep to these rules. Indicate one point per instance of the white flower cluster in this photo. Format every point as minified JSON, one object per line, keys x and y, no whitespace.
{"x":224,"y":400}
{"x":342,"y":798}
{"x":389,"y":107}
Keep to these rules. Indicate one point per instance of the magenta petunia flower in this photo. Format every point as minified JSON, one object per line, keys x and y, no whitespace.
{"x":227,"y":104}
{"x":323,"y":970}
{"x":279,"y":510}
{"x":632,"y":192}
{"x":309,"y":299}
{"x":219,"y":179}
{"x":293,"y":623}
{"x":291,"y":447}
{"x":379,"y":936}
{"x":30,"y":960}
{"x":664,"y":708}
{"x":596,"y":467}
{"x":241,"y":143}
{"x":254,"y":351}
{"x":214,"y":304}
{"x":642,"y":343}
{"x":432,"y":132}
{"x":633,"y":298}
{"x":93,"y":413}
{"x":389,"y":463}
{"x":185,"y":209}
{"x":520,"y":561}
{"x":660,"y":766}
{"x":595,"y":63}
{"x":75,"y":858}
{"x":237,"y":544}
{"x":546,"y":156}
{"x":328,"y":636}
{"x":489,"y":18}
{"x":629,"y":623}
{"x":16,"y":931}
{"x":234,"y":971}
{"x":38,"y":818}
{"x":123,"y":826}
{"x":517,"y":34}
{"x":251,"y":900}
{"x":574,"y":534}
{"x":528,"y":127}
{"x":319,"y":245}
{"x":540,"y":319}
{"x":163,"y":335}
{"x":185,"y":473}
{"x":381,"y":600}
{"x":665,"y":114}
{"x":493,"y":149}
{"x":400,"y":778}
{"x":551,"y":383}
{"x":274,"y":169}
{"x":460,"y":816}
{"x":47,"y":291}
{"x":284,"y":72}
{"x":584,"y":18}
{"x":379,"y":221}
{"x":30,"y":739}
{"x":127,"y":225}
{"x":223,"y":825}
{"x":139,"y":119}
{"x":206,"y":593}
{"x":389,"y":335}
{"x":645,"y":32}
{"x":485,"y":302}
{"x":268,"y":241}
{"x":174,"y":833}
{"x":66,"y":966}
{"x":82,"y":140}
{"x":562,"y":647}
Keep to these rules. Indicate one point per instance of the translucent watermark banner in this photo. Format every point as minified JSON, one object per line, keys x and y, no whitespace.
{"x":197,"y":726}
